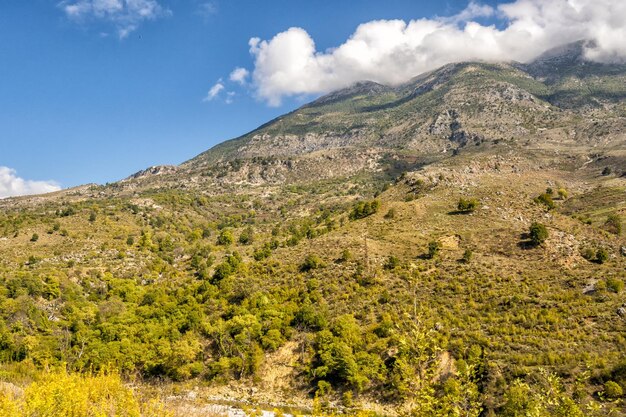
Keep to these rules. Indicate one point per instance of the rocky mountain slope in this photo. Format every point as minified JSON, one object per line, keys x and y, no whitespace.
{"x":558,"y":102}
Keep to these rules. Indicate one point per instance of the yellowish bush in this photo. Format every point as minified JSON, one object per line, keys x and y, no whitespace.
{"x":60,"y":393}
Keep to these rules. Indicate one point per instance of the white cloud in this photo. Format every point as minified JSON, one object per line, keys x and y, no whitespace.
{"x":12,"y":185}
{"x":214,"y":91}
{"x":239,"y":75}
{"x":393,"y":51}
{"x":124,"y":15}
{"x":207,"y":9}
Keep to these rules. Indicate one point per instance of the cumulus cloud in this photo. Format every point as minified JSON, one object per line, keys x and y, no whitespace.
{"x":11,"y":185}
{"x":239,"y":75}
{"x":393,"y":51}
{"x":214,"y":91}
{"x":124,"y":15}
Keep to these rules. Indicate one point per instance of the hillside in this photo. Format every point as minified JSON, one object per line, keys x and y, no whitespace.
{"x":450,"y":246}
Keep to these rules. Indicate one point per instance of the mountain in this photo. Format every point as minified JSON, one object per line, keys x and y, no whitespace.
{"x":449,"y":246}
{"x":554,"y":103}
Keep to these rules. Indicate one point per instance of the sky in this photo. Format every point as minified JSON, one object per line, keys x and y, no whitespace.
{"x":92,"y":91}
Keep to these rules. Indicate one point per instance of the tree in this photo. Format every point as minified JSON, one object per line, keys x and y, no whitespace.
{"x":538,"y":233}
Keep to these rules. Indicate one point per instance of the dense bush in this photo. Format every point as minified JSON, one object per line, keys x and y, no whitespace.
{"x":364,"y":209}
{"x":75,"y":395}
{"x":467,"y":205}
{"x":546,"y":200}
{"x":538,"y":233}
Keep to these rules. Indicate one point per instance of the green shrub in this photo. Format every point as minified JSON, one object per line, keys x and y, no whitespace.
{"x":392,"y":262}
{"x":615,"y":284}
{"x":311,"y":262}
{"x":346,"y":256}
{"x":34,"y":237}
{"x":225,"y":238}
{"x":467,"y":256}
{"x":546,"y":200}
{"x":467,"y":205}
{"x":602,"y":255}
{"x":433,"y":249}
{"x":538,"y":233}
{"x":247,"y":236}
{"x":612,"y":390}
{"x":613,"y":224}
{"x":364,"y":209}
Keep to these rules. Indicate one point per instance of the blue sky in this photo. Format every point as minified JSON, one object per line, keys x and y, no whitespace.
{"x":93,"y":95}
{"x":79,"y":107}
